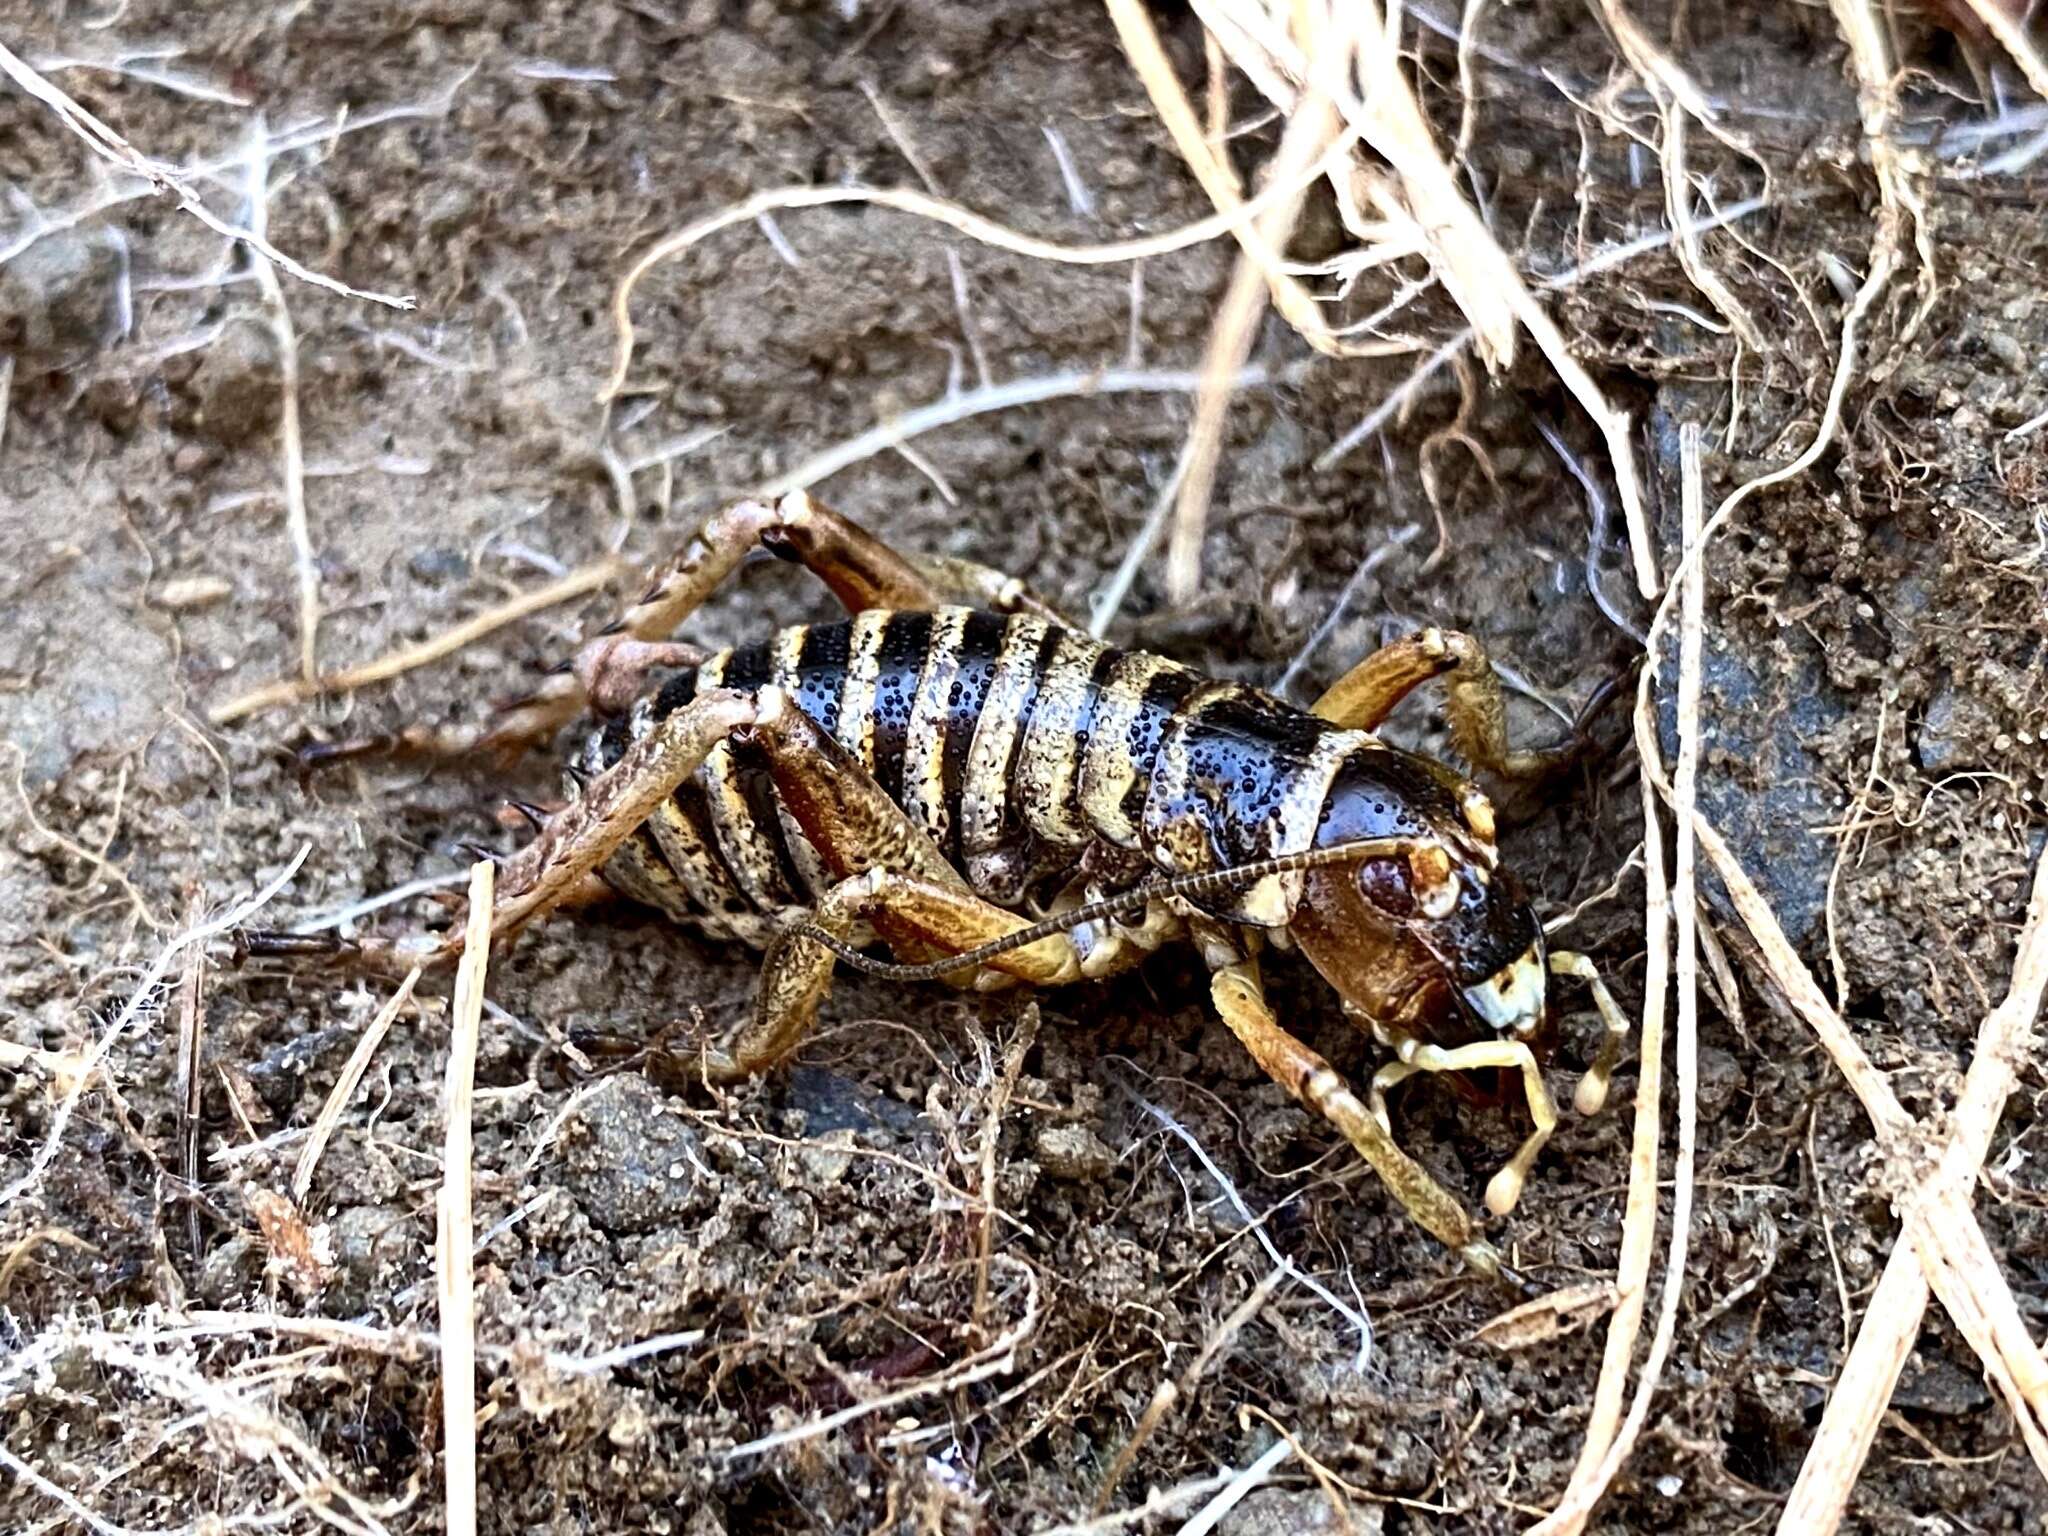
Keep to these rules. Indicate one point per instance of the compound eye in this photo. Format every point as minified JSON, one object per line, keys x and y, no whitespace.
{"x":1384,"y":884}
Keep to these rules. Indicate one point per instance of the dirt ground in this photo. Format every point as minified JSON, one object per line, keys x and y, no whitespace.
{"x":804,"y":1252}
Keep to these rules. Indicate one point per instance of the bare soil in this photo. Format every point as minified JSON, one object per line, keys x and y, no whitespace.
{"x":1878,"y":659}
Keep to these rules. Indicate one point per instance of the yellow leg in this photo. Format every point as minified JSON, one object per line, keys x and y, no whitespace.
{"x":1364,"y":697}
{"x":1241,"y":1000}
{"x":1591,"y":1094}
{"x":907,"y":910}
{"x":1505,"y":1187}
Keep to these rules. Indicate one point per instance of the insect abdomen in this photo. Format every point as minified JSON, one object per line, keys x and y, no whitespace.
{"x":1014,"y":743}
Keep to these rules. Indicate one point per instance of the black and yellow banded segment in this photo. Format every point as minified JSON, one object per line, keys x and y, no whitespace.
{"x":1015,"y":743}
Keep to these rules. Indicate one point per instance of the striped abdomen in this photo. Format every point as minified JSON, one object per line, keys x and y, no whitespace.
{"x":1014,"y":743}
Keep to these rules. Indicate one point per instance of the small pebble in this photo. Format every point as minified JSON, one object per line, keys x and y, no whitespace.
{"x":1073,"y":1152}
{"x":189,"y":594}
{"x":2007,"y":350}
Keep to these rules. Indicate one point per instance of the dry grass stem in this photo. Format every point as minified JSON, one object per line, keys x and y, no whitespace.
{"x":1955,"y":1259}
{"x":1892,"y":1319}
{"x":1877,"y":91}
{"x":974,"y":225}
{"x":1000,"y":1094}
{"x":454,"y":1257}
{"x":1309,"y":132}
{"x":345,"y":1086}
{"x":166,"y":178}
{"x":2008,"y":23}
{"x":293,"y":444}
{"x":1232,"y":1493}
{"x":1198,"y":147}
{"x":145,"y":995}
{"x":1589,"y":1484}
{"x":293,"y":690}
{"x":898,"y":430}
{"x":191,"y":1086}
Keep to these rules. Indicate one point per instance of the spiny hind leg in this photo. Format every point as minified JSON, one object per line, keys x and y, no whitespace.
{"x":1241,"y":1000}
{"x":1505,"y":1187}
{"x":611,"y":670}
{"x":888,"y":876}
{"x":573,"y":843}
{"x":1364,"y":697}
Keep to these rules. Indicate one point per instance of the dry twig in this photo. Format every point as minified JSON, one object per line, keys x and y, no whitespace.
{"x":345,"y":1085}
{"x":454,"y":1258}
{"x":294,"y":689}
{"x":1594,"y":1474}
{"x":165,"y":178}
{"x":288,"y":420}
{"x":2007,"y":23}
{"x":1310,"y":131}
{"x":1891,"y":1321}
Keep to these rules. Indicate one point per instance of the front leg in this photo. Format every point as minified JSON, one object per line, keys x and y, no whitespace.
{"x":1363,"y":698}
{"x":1241,"y":1000}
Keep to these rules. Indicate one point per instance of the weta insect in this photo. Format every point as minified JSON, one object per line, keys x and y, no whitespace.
{"x":999,"y":799}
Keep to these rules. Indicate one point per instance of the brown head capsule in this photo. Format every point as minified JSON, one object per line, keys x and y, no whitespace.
{"x":1442,"y":944}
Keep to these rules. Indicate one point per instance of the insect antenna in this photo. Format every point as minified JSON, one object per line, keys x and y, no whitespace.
{"x":1208,"y":882}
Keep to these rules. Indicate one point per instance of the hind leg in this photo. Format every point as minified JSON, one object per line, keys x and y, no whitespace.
{"x":610,"y":671}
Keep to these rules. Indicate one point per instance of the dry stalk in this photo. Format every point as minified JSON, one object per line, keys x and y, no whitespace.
{"x":454,"y":1255}
{"x":1197,"y":146}
{"x":1309,"y":133}
{"x":944,"y":412}
{"x":974,"y":225}
{"x":1000,"y":1094}
{"x":1639,"y":1217}
{"x":1170,"y":1393}
{"x":1232,"y":1493}
{"x":292,"y":690}
{"x":293,"y":444}
{"x":1878,"y":101}
{"x":191,"y":1044}
{"x":2007,"y":23}
{"x":1593,"y":1475}
{"x":168,"y":179}
{"x":345,"y":1086}
{"x":1891,"y":1321}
